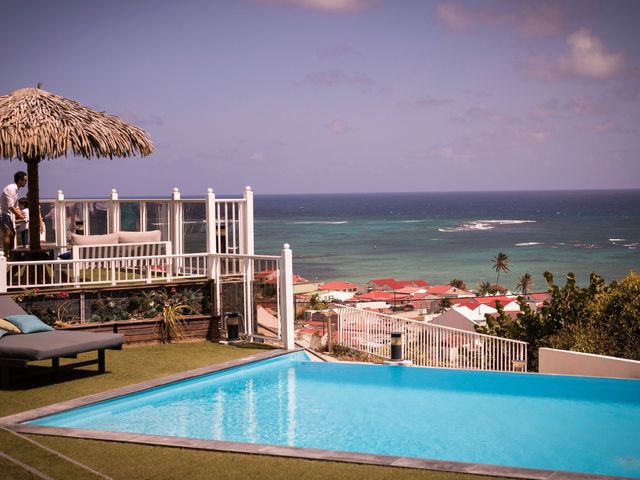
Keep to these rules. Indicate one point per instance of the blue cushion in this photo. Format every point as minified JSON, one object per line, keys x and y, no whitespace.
{"x":3,"y":332}
{"x":28,"y":323}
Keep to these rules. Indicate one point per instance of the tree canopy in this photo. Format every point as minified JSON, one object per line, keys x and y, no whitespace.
{"x":600,"y":318}
{"x":456,"y":282}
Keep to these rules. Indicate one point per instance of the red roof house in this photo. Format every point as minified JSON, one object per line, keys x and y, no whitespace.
{"x":386,"y":284}
{"x":339,"y":287}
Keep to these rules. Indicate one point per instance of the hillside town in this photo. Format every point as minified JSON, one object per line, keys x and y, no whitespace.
{"x":411,"y":299}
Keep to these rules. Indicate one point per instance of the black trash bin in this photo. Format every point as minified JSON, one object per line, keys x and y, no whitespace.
{"x":232,"y":319}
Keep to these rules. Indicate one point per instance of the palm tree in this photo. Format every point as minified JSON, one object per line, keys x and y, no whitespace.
{"x":444,"y":305}
{"x":456,"y":282}
{"x":483,"y":288}
{"x":501,"y":264}
{"x":525,"y":283}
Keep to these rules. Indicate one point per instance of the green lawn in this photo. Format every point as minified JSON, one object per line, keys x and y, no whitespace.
{"x":130,"y":461}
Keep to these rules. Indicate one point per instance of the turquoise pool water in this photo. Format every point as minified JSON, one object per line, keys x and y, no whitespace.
{"x":579,"y":424}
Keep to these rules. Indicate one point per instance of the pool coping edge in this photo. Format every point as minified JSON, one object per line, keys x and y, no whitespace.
{"x":16,"y":424}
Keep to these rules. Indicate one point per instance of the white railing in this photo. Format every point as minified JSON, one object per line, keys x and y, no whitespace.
{"x":133,"y":269}
{"x":208,"y":224}
{"x":429,"y":345}
{"x":260,"y":275}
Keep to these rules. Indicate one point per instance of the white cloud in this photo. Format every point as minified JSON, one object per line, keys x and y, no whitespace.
{"x":540,"y":19}
{"x":257,"y":157}
{"x":456,"y":16}
{"x":482,"y":111}
{"x":338,"y":127}
{"x":331,"y":6}
{"x":610,"y":127}
{"x":452,"y":155}
{"x":589,"y":57}
{"x":332,"y":78}
{"x":338,"y":51}
{"x":589,"y":105}
{"x":540,"y":135}
{"x":545,"y":110}
{"x":586,"y":56}
{"x":426,"y":102}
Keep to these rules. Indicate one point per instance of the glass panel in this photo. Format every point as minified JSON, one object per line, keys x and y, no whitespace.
{"x":48,"y":216}
{"x":98,"y":214}
{"x":158,"y":218}
{"x":193,"y":228}
{"x":130,"y":216}
{"x":74,"y":220}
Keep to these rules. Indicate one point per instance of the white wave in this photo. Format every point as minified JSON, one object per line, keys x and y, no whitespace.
{"x":320,"y":223}
{"x":467,"y":227}
{"x":582,"y":245}
{"x":411,"y":221}
{"x":507,"y":222}
{"x":483,"y":225}
{"x":527,"y":244}
{"x":631,"y":245}
{"x":617,"y":239}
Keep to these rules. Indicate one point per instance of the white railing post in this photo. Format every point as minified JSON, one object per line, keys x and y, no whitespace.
{"x":176,"y":221}
{"x":287,"y":314}
{"x":176,"y":228}
{"x":60,"y":220}
{"x":248,"y":295}
{"x":213,"y":261}
{"x":247,"y":244}
{"x":211,"y":222}
{"x":217,"y":265}
{"x":113,"y":224}
{"x":3,"y":272}
{"x":143,"y":216}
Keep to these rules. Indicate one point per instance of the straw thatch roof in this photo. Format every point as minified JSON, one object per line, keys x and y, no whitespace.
{"x":35,"y":124}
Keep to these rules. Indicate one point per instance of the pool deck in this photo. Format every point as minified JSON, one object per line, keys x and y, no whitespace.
{"x":15,"y":423}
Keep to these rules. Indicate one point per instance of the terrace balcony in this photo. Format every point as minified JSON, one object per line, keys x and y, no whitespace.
{"x":209,"y":242}
{"x":205,"y":240}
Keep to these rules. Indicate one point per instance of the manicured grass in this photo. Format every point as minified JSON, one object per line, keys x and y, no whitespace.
{"x":127,"y":461}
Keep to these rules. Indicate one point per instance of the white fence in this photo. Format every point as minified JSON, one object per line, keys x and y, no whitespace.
{"x":208,"y":224}
{"x":257,"y":273}
{"x":429,"y":345}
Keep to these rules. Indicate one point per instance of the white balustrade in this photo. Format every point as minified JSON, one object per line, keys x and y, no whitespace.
{"x":211,"y":239}
{"x":261,"y":276}
{"x":428,"y":345}
{"x":208,"y":224}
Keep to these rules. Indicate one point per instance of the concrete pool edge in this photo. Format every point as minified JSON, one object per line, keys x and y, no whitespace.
{"x":35,"y":413}
{"x":16,"y":423}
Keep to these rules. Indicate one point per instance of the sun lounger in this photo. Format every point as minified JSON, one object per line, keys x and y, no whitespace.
{"x":16,"y":351}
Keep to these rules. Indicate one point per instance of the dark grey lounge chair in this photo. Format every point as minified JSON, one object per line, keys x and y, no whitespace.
{"x":16,"y":351}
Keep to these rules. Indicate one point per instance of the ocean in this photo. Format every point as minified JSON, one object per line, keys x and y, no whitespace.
{"x":441,"y":236}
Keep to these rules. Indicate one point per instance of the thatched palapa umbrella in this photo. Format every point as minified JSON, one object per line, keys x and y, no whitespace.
{"x":35,"y":124}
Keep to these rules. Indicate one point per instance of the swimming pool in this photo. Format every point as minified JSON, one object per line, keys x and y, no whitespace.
{"x":576,"y":424}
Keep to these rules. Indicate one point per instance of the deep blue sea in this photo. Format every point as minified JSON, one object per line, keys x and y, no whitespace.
{"x":441,"y":236}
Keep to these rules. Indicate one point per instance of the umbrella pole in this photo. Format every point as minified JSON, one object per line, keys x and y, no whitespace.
{"x":34,"y":203}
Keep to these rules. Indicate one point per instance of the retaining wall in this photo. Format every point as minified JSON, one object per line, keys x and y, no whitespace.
{"x":565,"y":362}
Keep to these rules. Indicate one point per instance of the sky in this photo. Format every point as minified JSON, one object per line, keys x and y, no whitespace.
{"x":325,"y":96}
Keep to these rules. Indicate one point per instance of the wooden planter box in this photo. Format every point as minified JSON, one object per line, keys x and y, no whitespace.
{"x":149,"y":331}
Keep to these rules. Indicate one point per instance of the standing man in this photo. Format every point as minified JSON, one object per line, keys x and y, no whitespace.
{"x":8,"y":207}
